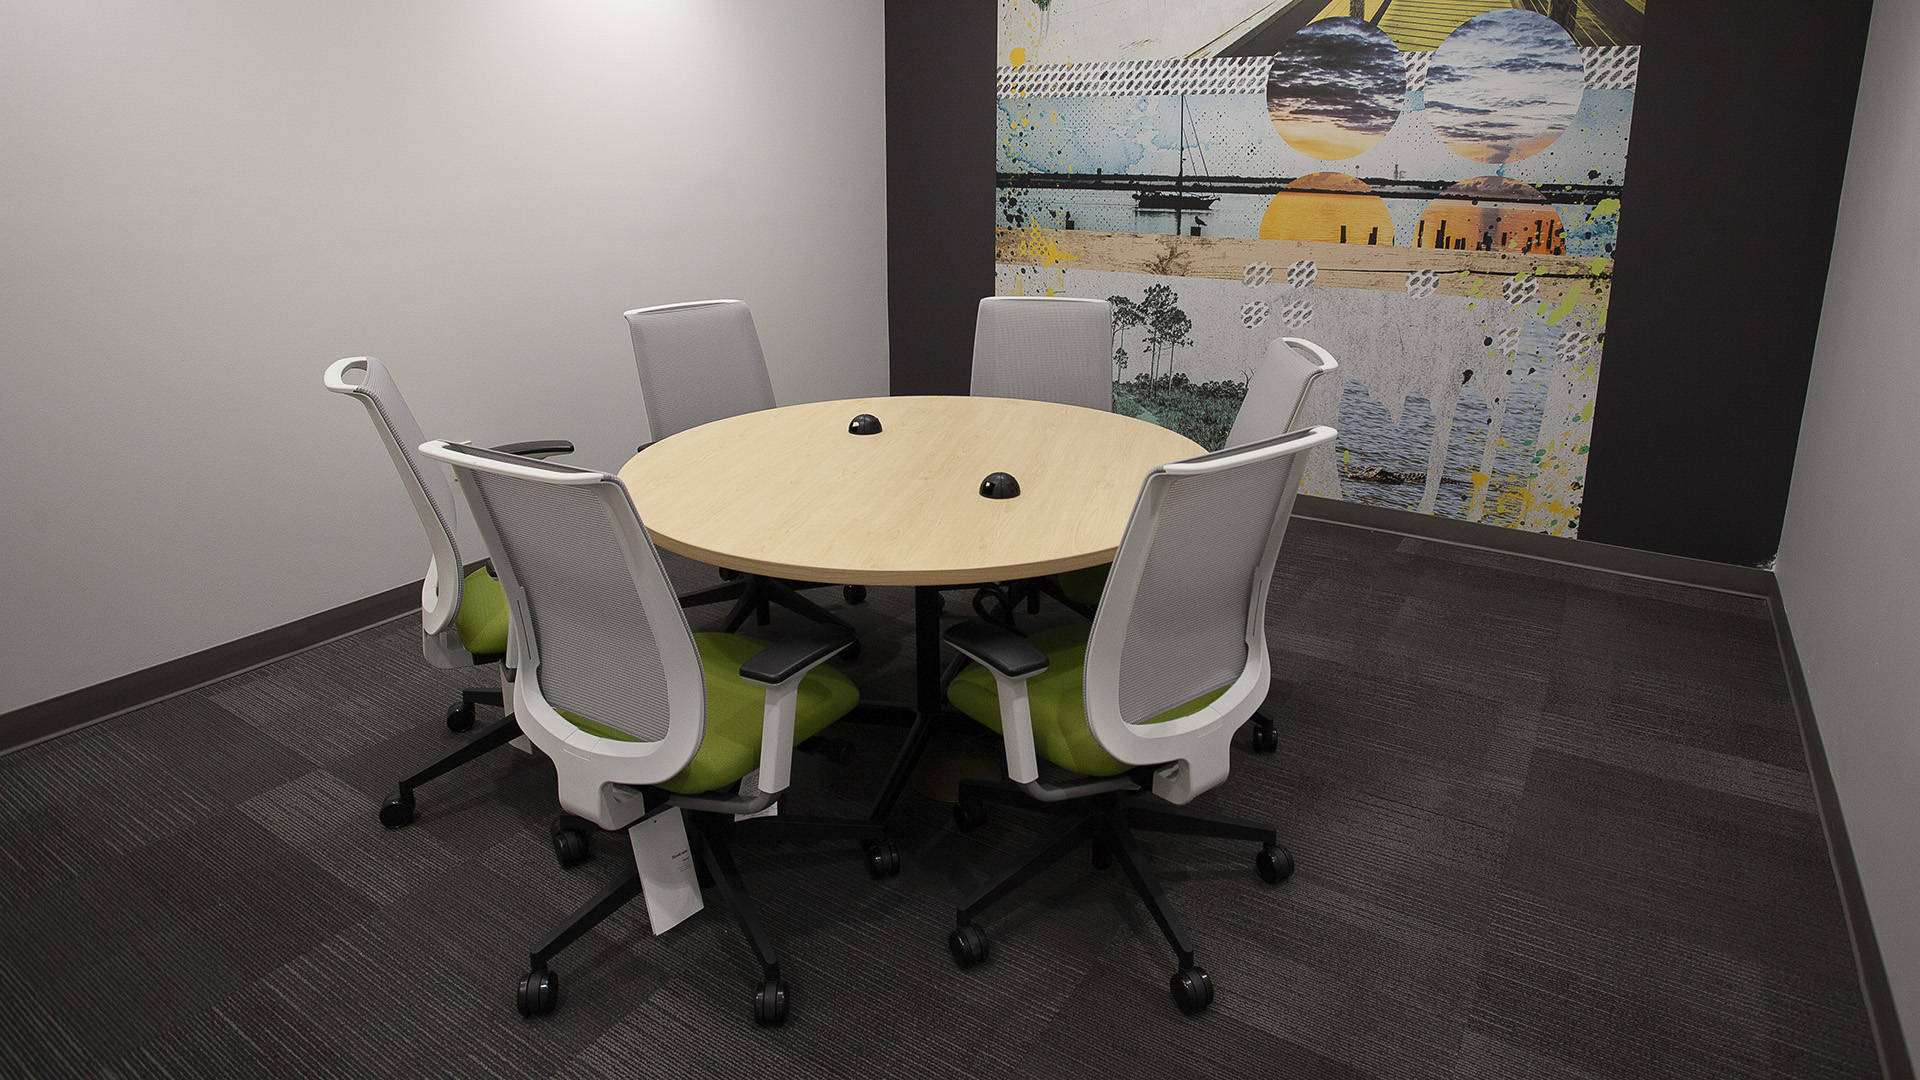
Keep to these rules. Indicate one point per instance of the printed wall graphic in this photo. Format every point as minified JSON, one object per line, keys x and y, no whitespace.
{"x":1428,"y":188}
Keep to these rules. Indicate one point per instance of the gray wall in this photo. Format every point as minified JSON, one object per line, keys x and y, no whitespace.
{"x":204,"y":202}
{"x":1849,"y":563}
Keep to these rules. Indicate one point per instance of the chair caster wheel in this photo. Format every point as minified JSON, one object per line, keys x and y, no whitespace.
{"x":570,"y":847}
{"x":460,"y":717}
{"x":539,"y":993}
{"x":883,"y":860}
{"x":1192,"y":989}
{"x":770,"y":1003}
{"x":968,"y":944}
{"x":397,"y":811}
{"x":1102,"y":855}
{"x":1275,"y":863}
{"x":1266,"y":737}
{"x":854,"y":594}
{"x":726,"y":574}
{"x":969,"y":815}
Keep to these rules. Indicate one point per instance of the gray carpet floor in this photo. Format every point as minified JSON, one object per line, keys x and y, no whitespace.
{"x":1548,"y":822}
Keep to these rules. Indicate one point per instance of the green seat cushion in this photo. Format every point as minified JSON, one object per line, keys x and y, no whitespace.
{"x":1054,"y":696}
{"x":481,"y":621}
{"x":1085,"y":586}
{"x":735,"y":708}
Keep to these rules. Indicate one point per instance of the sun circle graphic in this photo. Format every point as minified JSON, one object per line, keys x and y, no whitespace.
{"x":1503,"y":86}
{"x":1328,"y":207}
{"x":1335,"y":88}
{"x":1491,"y":213}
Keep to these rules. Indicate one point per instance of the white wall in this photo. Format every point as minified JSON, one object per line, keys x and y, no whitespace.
{"x":204,"y":202}
{"x":1849,"y":563}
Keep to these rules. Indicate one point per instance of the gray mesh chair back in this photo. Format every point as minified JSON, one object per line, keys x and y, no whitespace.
{"x":1045,"y":348}
{"x":600,"y":627}
{"x":1183,"y":613}
{"x":426,"y":484}
{"x":1277,"y":392}
{"x":698,"y":362}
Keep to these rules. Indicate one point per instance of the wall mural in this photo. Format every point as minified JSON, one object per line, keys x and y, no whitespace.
{"x":1428,"y":188}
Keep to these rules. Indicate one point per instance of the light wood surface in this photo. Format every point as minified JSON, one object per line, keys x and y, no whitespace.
{"x":790,"y":493}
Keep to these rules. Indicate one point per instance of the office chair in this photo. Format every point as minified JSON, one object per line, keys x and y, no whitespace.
{"x":1277,"y":391}
{"x":1276,"y":398}
{"x":638,"y":713}
{"x":1044,"y":348}
{"x":463,"y":615}
{"x":1139,"y":706}
{"x":700,"y":362}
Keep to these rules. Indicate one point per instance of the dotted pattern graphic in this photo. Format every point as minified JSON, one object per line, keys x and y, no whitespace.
{"x":1519,"y":290}
{"x":1416,"y":69}
{"x":1301,"y":274}
{"x":1613,"y":67}
{"x":1422,"y":283}
{"x":1296,"y":314}
{"x":1507,"y":341}
{"x":1137,"y":78}
{"x":1572,"y":346}
{"x":1254,"y":312}
{"x":1257,"y":274}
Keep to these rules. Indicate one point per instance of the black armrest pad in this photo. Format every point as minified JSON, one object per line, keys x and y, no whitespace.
{"x":1000,"y":649}
{"x":537,"y":448}
{"x":795,"y":652}
{"x":642,"y":446}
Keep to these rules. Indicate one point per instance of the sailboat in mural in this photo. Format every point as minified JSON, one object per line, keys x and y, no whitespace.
{"x":1177,"y":200}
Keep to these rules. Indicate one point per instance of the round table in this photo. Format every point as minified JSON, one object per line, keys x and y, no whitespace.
{"x":791,"y":493}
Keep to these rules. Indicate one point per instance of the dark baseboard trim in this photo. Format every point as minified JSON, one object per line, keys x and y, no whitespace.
{"x":1699,"y":573}
{"x":56,"y":716}
{"x":1888,"y":1037}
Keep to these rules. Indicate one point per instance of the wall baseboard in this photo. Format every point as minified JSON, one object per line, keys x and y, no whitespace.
{"x":1882,"y":1013}
{"x":89,"y":705}
{"x":1654,"y":565}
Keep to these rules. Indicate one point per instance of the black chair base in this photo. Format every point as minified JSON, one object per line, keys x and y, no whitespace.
{"x":710,"y":835}
{"x":754,"y":594}
{"x":398,"y":811}
{"x":1108,"y":821}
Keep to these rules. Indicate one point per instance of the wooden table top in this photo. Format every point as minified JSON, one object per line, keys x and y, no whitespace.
{"x":790,"y":493}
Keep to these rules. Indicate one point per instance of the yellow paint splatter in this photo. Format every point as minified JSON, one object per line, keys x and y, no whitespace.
{"x":1565,"y":307}
{"x":1036,"y":247}
{"x":1018,"y":58}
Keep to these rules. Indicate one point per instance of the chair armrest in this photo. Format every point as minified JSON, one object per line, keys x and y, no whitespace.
{"x":998,"y":648}
{"x":642,"y":446}
{"x":1013,"y":660}
{"x":795,"y":653}
{"x":537,"y":448}
{"x":779,"y":668}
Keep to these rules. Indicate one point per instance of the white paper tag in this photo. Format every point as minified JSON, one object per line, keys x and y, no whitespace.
{"x":667,"y":876}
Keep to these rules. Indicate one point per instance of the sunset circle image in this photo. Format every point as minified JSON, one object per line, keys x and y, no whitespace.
{"x":1491,"y":213}
{"x":1328,"y":207}
{"x":1504,"y":85}
{"x":1335,"y":88}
